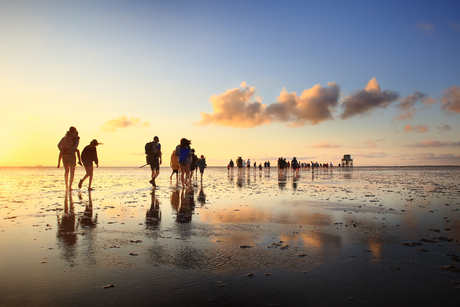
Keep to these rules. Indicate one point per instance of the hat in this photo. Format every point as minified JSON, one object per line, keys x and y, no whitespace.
{"x":95,"y":143}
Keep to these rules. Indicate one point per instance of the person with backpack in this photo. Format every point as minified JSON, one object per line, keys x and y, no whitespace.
{"x":68,"y":146}
{"x":153,"y":152}
{"x":201,"y":164}
{"x":184,"y":154}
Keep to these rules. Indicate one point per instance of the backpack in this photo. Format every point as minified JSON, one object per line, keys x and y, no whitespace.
{"x":183,"y":154}
{"x":151,"y":149}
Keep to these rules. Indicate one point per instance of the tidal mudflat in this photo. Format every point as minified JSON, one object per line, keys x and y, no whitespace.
{"x":337,"y":237}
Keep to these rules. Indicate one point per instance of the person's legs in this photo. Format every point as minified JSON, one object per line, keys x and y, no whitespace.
{"x":72,"y":174}
{"x":66,"y":176}
{"x":183,"y":174}
{"x":90,"y":177}
{"x":188,"y":179}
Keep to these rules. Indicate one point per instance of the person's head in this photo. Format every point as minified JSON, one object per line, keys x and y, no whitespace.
{"x":193,"y":150}
{"x":156,"y":139}
{"x":202,"y":157}
{"x":174,"y":152}
{"x":185,"y":143}
{"x":73,"y":129}
{"x":94,"y":142}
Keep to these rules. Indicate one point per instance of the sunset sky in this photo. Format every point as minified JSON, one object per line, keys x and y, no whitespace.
{"x":379,"y":80}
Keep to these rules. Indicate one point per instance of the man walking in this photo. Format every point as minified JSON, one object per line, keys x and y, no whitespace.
{"x":153,"y":152}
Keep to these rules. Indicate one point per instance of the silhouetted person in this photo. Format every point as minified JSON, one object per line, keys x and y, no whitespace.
{"x":89,"y":155}
{"x":154,"y":158}
{"x":184,"y":154}
{"x":68,"y":146}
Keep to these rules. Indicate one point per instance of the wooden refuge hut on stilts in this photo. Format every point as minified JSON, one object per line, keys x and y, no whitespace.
{"x":347,"y":160}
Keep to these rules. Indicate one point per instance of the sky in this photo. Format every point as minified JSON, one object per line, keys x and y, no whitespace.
{"x":378,"y":80}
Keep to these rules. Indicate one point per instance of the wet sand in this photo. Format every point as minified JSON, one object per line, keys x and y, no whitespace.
{"x":340,"y":237}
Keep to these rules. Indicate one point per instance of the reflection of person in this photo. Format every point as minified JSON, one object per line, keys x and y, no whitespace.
{"x":184,"y":155}
{"x":184,"y":215}
{"x":175,"y":200}
{"x":68,"y":146}
{"x":153,"y":215}
{"x":66,"y":228}
{"x":174,"y":165}
{"x":89,"y":155}
{"x":87,"y":219}
{"x":201,"y":196}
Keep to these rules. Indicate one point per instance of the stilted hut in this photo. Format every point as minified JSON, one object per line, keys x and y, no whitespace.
{"x":347,"y":160}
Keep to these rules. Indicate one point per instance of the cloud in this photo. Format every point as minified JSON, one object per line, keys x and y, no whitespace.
{"x":451,"y":100}
{"x":416,"y":128}
{"x":237,"y":107}
{"x":326,"y":145}
{"x":364,"y":101}
{"x":427,"y":28}
{"x":313,"y":106}
{"x":408,"y":103}
{"x":123,"y":122}
{"x":240,"y":108}
{"x":431,"y":143}
{"x":369,"y":144}
{"x":456,"y":26}
{"x":444,"y":128}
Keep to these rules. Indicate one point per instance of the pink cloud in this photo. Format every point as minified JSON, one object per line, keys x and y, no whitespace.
{"x":326,"y":145}
{"x":123,"y":122}
{"x":416,"y":128}
{"x":240,"y":108}
{"x":451,"y":100}
{"x":432,"y":143}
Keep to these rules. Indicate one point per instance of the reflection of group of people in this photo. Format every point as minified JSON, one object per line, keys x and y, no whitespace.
{"x":183,"y":159}
{"x":68,"y":150}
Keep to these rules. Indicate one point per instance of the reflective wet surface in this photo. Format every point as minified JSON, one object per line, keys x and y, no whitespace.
{"x":333,"y":237}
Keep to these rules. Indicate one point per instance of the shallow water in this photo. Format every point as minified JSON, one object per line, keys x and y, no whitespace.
{"x":309,"y":239}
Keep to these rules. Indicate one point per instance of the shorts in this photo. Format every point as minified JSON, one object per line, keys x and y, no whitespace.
{"x":69,"y":159}
{"x":175,"y":171}
{"x":88,"y":162}
{"x":155,"y":164}
{"x":201,"y":170}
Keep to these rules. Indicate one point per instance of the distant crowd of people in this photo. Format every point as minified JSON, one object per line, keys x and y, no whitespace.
{"x":282,"y":164}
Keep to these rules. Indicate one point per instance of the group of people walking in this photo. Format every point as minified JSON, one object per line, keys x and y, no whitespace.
{"x":68,"y":153}
{"x":183,"y":159}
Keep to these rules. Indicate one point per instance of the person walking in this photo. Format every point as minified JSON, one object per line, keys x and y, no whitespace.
{"x":154,"y":158}
{"x":184,"y":155}
{"x":202,"y":165}
{"x":68,"y":146}
{"x":174,"y":163}
{"x":88,"y":155}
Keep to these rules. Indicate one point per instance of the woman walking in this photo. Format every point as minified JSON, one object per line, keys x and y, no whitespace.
{"x":184,"y":154}
{"x":68,"y":146}
{"x":89,"y":155}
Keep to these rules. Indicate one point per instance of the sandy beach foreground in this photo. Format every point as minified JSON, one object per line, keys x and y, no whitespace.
{"x":340,"y":237}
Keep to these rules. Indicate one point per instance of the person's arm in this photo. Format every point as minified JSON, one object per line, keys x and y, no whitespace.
{"x":96,"y":160}
{"x":159,"y":152}
{"x":59,"y":145}
{"x":77,"y":141}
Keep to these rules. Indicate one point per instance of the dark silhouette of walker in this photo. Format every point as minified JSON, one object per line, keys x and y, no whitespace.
{"x":347,"y":160}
